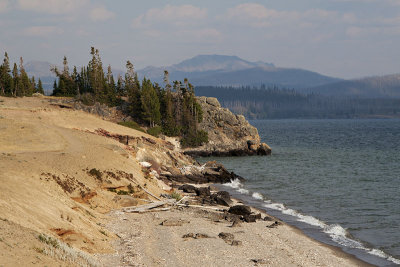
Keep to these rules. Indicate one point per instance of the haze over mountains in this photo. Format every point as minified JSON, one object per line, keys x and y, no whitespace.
{"x":221,"y":70}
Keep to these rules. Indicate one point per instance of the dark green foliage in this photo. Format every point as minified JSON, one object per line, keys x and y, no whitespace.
{"x":122,"y":192}
{"x":150,"y":103}
{"x":39,"y":88}
{"x":15,"y":83}
{"x":90,"y":81}
{"x":155,"y":131}
{"x":194,"y":139}
{"x":132,"y":124}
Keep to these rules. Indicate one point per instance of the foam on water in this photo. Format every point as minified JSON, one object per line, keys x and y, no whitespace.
{"x":257,"y":195}
{"x":336,"y":232}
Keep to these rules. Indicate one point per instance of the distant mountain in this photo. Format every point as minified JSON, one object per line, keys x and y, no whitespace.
{"x":220,"y":70}
{"x":387,"y":86}
{"x":41,"y":69}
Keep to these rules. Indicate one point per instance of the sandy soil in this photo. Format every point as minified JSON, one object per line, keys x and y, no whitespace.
{"x":144,"y":241}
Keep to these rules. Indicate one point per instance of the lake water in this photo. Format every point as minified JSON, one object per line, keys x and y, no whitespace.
{"x":337,"y":180}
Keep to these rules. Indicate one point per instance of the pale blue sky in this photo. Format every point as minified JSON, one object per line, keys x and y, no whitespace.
{"x":342,"y":38}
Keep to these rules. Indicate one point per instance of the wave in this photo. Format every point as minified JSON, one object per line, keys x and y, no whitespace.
{"x":336,"y":232}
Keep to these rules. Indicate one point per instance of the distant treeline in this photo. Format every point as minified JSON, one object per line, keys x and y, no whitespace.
{"x":172,"y":110}
{"x":273,"y":102}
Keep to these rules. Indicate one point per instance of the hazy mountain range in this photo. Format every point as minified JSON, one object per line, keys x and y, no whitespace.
{"x":220,"y":70}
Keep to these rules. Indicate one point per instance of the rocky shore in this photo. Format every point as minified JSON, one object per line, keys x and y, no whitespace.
{"x":228,"y":134}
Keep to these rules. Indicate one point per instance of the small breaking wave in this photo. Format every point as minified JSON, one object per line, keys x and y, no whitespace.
{"x":336,"y":232}
{"x":257,"y":195}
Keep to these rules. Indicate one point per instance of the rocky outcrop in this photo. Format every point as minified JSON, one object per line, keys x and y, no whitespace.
{"x":228,"y":134}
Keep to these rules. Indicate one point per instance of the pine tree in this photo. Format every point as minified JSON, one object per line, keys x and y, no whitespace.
{"x":16,"y":79}
{"x":120,"y":87}
{"x":5,"y":77}
{"x":150,"y":103}
{"x":133,"y":90}
{"x":40,"y":87}
{"x":26,"y":87}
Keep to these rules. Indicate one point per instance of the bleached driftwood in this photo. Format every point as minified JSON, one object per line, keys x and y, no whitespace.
{"x":198,"y":206}
{"x":146,"y":207}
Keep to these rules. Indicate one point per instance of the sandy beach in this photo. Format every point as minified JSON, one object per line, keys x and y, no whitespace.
{"x":193,"y":237}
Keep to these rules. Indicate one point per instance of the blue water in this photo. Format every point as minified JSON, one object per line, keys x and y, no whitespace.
{"x":340,"y":178}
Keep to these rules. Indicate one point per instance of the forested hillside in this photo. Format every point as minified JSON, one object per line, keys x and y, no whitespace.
{"x":273,"y":102}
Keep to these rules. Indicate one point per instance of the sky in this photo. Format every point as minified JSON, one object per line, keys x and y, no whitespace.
{"x":340,"y":38}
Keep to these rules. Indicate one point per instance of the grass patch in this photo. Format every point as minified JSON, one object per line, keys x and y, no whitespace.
{"x":132,"y":124}
{"x":65,"y":253}
{"x":49,"y":241}
{"x":176,"y":195}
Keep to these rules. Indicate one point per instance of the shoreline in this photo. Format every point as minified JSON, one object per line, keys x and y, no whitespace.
{"x":336,"y":249}
{"x":283,"y":245}
{"x":313,"y":232}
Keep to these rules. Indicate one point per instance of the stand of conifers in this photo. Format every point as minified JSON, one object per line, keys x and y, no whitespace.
{"x":171,"y":110}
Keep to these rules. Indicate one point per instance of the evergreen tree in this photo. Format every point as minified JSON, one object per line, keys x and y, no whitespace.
{"x":40,"y":87}
{"x":120,"y":87}
{"x":26,"y":87}
{"x":150,"y":103}
{"x":16,"y":80}
{"x":133,"y":90}
{"x":5,"y":77}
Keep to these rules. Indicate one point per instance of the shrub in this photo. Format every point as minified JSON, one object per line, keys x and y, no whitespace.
{"x":155,"y":131}
{"x":132,"y":124}
{"x":87,"y":99}
{"x":122,"y":192}
{"x":96,"y":173}
{"x":195,"y":140}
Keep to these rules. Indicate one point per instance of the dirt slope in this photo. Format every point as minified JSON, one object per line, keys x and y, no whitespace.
{"x":46,"y":154}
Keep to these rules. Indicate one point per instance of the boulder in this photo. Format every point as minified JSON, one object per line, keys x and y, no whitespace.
{"x":187,"y":188}
{"x":222,"y":198}
{"x":250,"y":218}
{"x":203,"y":191}
{"x":264,"y":149}
{"x":227,"y":237}
{"x":240,"y":210}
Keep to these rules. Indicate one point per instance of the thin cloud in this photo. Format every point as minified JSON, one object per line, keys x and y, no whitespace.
{"x":52,"y":6}
{"x":42,"y":31}
{"x":170,"y":14}
{"x":101,"y":14}
{"x":4,"y":5}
